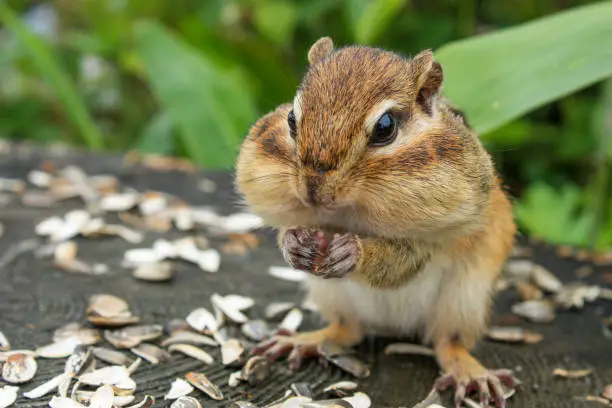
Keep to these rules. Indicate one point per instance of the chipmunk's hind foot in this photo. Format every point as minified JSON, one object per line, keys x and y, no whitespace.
{"x":466,"y":375}
{"x":487,"y":383}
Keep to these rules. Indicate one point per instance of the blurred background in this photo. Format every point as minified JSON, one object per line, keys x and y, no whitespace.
{"x":188,"y":77}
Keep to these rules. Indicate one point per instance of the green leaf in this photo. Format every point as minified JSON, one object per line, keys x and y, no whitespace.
{"x":156,"y":137}
{"x":497,"y":77}
{"x":370,"y":18}
{"x":52,"y":72}
{"x":555,"y":214}
{"x":211,"y":107}
{"x":276,"y":20}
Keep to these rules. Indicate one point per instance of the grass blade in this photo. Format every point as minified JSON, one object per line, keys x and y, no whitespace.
{"x":211,"y":107}
{"x":52,"y":72}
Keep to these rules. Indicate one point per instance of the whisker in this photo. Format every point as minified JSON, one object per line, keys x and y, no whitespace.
{"x":268,"y":177}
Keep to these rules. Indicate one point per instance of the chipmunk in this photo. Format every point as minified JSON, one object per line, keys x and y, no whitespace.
{"x":384,"y":194}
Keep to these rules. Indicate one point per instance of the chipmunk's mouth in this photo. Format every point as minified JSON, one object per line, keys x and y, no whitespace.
{"x":331,"y":208}
{"x":325,"y":209}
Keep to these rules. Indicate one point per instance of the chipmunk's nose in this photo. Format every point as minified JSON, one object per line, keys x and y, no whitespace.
{"x":312,"y":188}
{"x":316,"y":194}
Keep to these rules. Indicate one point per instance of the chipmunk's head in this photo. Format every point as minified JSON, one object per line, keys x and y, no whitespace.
{"x":354,"y":105}
{"x":370,"y":142}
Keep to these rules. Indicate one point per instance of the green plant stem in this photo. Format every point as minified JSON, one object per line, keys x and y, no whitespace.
{"x":51,"y":71}
{"x":602,"y":162}
{"x":602,"y":183}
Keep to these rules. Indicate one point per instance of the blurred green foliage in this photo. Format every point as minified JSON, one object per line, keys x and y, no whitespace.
{"x":188,"y":78}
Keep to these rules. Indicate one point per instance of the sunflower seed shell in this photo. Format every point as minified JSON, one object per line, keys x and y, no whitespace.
{"x":19,"y":368}
{"x":179,"y":388}
{"x":201,"y":382}
{"x":193,"y":352}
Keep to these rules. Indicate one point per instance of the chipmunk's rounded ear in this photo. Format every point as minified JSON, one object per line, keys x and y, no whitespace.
{"x":428,"y":77}
{"x":320,"y":49}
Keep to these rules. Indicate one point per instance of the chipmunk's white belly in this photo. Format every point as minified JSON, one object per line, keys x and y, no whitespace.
{"x":401,"y":311}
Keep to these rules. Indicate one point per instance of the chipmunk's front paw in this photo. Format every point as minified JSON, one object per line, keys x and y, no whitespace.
{"x":307,"y":249}
{"x":303,"y":247}
{"x":341,"y":257}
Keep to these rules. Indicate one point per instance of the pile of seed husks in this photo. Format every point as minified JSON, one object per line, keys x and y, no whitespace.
{"x":543,"y":295}
{"x":99,"y":376}
{"x":202,"y":335}
{"x":138,"y":212}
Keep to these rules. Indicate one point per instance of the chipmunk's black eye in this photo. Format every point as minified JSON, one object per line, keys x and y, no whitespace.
{"x":384,"y":131}
{"x":291,"y":122}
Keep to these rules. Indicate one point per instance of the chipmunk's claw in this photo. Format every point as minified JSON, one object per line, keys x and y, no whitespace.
{"x":342,"y":257}
{"x":301,"y":247}
{"x":307,"y":249}
{"x":489,"y":386}
{"x":295,"y":347}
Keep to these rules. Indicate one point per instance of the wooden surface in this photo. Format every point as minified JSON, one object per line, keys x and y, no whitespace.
{"x":36,"y":298}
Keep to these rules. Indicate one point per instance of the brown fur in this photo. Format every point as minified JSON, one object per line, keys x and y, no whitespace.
{"x":387,"y":264}
{"x":429,"y":198}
